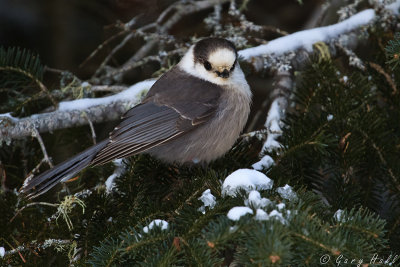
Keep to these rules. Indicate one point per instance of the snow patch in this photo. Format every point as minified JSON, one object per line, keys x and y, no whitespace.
{"x":159,"y":223}
{"x":247,"y":180}
{"x":119,"y":170}
{"x":2,"y":252}
{"x":339,"y":215}
{"x":329,"y":117}
{"x":265,"y":162}
{"x":281,"y":206}
{"x":208,"y":200}
{"x":287,"y":192}
{"x":235,"y":213}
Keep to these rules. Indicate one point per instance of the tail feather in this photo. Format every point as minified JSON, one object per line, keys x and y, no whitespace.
{"x":64,"y":171}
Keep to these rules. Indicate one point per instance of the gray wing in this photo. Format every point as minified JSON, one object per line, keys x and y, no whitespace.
{"x":176,"y":104}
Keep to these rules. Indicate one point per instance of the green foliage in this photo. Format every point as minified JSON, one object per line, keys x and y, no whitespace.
{"x":21,"y":74}
{"x":393,"y":51}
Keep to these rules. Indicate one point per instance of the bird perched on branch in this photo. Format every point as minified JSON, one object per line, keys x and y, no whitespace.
{"x":193,"y":113}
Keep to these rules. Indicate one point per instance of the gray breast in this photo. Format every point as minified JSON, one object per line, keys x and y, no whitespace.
{"x":214,"y":138}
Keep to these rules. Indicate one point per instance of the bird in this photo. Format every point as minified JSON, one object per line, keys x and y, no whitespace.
{"x":193,"y":113}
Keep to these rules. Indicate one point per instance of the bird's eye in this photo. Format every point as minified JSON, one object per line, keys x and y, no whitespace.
{"x":207,"y":65}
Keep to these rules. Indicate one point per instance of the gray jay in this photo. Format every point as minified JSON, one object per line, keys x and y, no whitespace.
{"x":193,"y":113}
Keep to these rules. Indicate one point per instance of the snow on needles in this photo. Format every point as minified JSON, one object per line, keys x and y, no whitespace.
{"x":256,"y":201}
{"x":247,"y":180}
{"x":235,"y":213}
{"x":265,"y":162}
{"x":132,"y":93}
{"x":119,"y":170}
{"x":208,"y":200}
{"x":287,"y":192}
{"x":159,"y":223}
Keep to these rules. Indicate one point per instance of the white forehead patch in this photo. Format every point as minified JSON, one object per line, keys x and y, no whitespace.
{"x":222,"y":57}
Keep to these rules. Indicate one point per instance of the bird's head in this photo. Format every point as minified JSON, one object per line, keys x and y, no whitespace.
{"x":213,"y":59}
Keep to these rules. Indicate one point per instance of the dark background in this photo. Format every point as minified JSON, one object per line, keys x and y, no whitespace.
{"x":65,"y":32}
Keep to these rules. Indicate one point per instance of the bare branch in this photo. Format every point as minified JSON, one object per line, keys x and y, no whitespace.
{"x":181,"y":10}
{"x":36,"y":134}
{"x":91,"y":127}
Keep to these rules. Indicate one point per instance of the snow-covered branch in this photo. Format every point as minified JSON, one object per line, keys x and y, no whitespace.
{"x":74,"y":113}
{"x":281,"y":49}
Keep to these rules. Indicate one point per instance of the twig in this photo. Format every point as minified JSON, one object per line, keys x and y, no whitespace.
{"x":36,"y":134}
{"x":386,"y":75}
{"x":47,"y":243}
{"x":101,"y":46}
{"x":91,"y":127}
{"x":32,"y":204}
{"x":3,"y":178}
{"x":113,"y":52}
{"x":34,"y":170}
{"x":354,"y":60}
{"x":135,"y":63}
{"x":106,"y":88}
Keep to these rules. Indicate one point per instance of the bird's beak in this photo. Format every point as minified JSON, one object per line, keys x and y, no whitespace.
{"x":223,"y":74}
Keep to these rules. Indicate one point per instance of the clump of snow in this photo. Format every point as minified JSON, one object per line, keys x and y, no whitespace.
{"x":85,"y":84}
{"x":235,"y":213}
{"x":329,"y":117}
{"x":247,"y":180}
{"x":2,"y":252}
{"x":278,"y":216}
{"x":256,"y":201}
{"x":261,"y":215}
{"x":159,"y":223}
{"x":274,"y":116}
{"x":119,"y":170}
{"x":132,"y":93}
{"x":338,"y":215}
{"x":275,"y":113}
{"x":265,"y":162}
{"x":345,"y":79}
{"x":208,"y":200}
{"x":271,"y":143}
{"x":281,"y":206}
{"x":287,"y":192}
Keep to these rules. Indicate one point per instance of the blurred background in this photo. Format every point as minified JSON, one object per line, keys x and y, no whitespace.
{"x":65,"y":32}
